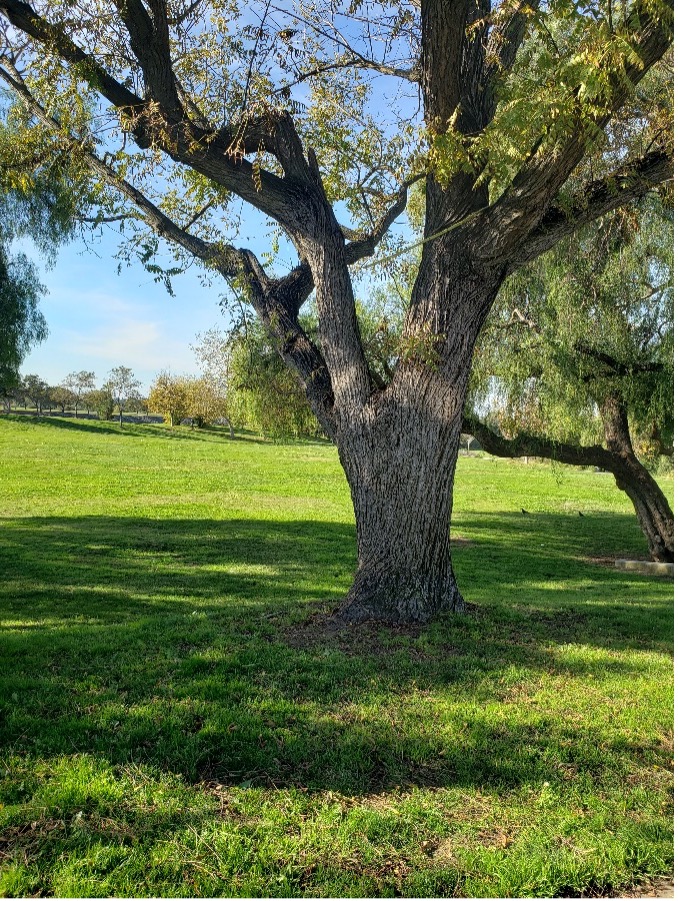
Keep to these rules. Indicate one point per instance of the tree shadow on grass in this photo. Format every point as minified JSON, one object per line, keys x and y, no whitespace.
{"x":92,"y":425}
{"x":202,"y":647}
{"x":135,"y":429}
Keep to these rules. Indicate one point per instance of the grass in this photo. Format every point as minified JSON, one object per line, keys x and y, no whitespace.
{"x":176,"y":720}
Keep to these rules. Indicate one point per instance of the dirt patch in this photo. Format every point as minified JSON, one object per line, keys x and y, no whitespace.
{"x":658,"y":888}
{"x":461,"y":542}
{"x":323,"y":629}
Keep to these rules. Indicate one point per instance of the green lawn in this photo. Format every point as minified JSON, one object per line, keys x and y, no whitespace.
{"x":177,"y":718}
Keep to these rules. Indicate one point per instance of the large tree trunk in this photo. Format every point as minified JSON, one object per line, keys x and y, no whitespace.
{"x":400,"y":461}
{"x":399,"y":451}
{"x":652,"y":509}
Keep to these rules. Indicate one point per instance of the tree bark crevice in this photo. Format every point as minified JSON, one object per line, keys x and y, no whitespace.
{"x":402,"y":498}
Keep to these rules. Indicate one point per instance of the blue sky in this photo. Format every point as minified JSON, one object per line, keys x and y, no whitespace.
{"x":98,"y":319}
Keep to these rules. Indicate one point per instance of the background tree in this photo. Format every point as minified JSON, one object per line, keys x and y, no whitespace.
{"x":40,"y":191}
{"x":79,"y":383}
{"x":122,"y":386}
{"x":37,"y":391}
{"x":61,"y":397}
{"x":12,"y":395}
{"x":21,"y":323}
{"x":579,"y":349}
{"x":206,"y":404}
{"x":168,"y":396}
{"x":213,"y":353}
{"x":285,"y":117}
{"x":264,"y":393}
{"x":100,"y":400}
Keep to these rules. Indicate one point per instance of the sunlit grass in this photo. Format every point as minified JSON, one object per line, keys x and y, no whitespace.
{"x":175,"y":722}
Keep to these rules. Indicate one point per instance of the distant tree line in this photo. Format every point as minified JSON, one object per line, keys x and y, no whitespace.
{"x":77,"y":392}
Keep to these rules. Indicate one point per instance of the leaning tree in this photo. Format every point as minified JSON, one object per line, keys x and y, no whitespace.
{"x":575,"y":361}
{"x":321,"y":117}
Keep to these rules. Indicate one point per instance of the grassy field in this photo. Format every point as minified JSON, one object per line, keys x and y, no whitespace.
{"x":178,"y":719}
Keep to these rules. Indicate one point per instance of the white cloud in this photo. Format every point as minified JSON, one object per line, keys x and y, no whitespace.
{"x":98,"y":320}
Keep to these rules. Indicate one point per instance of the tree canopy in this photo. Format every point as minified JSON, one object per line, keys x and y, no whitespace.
{"x":35,"y":202}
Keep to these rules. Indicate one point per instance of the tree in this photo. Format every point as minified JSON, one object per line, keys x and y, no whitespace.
{"x":264,"y":393}
{"x":296,"y":117}
{"x":180,"y":397}
{"x":37,"y":200}
{"x":78,"y":383}
{"x":580,"y":346}
{"x":37,"y":391}
{"x":21,"y":323}
{"x":213,"y":353}
{"x":168,"y":396}
{"x":61,"y":397}
{"x":122,"y":387}
{"x":206,"y":404}
{"x":100,"y":400}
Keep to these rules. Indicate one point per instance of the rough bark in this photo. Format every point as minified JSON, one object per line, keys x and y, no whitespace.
{"x":653,"y":512}
{"x":399,"y":459}
{"x":400,"y":451}
{"x":652,"y":509}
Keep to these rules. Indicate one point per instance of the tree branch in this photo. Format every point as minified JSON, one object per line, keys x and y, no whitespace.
{"x":443,"y":31}
{"x":508,"y":36}
{"x":353,"y":60}
{"x":156,"y":219}
{"x":24,"y":17}
{"x":217,"y":155}
{"x":366,"y":244}
{"x":524,"y":445}
{"x":500,"y":231}
{"x":495,"y":37}
{"x":614,"y":365}
{"x":275,"y":300}
{"x":627,"y":183}
{"x":149,"y":39}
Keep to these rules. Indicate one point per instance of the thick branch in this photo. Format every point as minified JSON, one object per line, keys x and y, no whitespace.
{"x":269,"y":299}
{"x":507,"y":37}
{"x":275,"y":300}
{"x":628,"y":183}
{"x":219,"y":156}
{"x":294,"y":289}
{"x":365,"y":245}
{"x":443,"y":27}
{"x":524,"y":445}
{"x":500,"y":232}
{"x":24,"y":17}
{"x":149,"y":38}
{"x":616,"y":366}
{"x":156,"y":219}
{"x":488,"y":56}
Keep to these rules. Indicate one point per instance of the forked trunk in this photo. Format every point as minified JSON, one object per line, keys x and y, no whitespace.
{"x":399,"y":451}
{"x":652,"y":509}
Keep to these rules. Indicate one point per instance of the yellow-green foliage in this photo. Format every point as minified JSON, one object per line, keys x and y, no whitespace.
{"x":169,"y":397}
